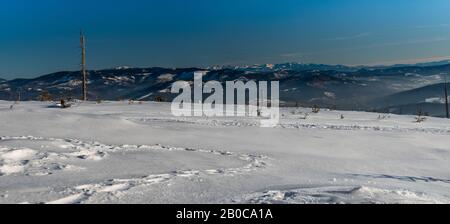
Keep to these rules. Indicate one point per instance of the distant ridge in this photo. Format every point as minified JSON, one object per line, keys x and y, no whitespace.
{"x":331,"y":86}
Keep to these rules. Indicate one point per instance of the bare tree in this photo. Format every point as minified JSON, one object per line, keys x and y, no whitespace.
{"x":18,"y":99}
{"x":421,"y":116}
{"x":83,"y":65}
{"x":446,"y":98}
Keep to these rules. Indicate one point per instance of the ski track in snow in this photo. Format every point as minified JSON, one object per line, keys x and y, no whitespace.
{"x":290,"y":125}
{"x":15,"y":161}
{"x":366,"y":128}
{"x":339,"y":195}
{"x":198,"y":121}
{"x":116,"y":187}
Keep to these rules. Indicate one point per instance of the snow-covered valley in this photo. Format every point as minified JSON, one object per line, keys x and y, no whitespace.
{"x":114,"y":152}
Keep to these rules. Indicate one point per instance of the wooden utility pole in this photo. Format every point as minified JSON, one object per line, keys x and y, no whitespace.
{"x":446,"y":98}
{"x":83,"y":65}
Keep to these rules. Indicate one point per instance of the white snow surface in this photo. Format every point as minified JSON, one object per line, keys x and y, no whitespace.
{"x":114,"y":152}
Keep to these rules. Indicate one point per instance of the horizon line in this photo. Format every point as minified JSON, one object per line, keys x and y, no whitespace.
{"x":405,"y":62}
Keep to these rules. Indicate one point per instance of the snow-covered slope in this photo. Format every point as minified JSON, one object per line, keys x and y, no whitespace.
{"x":114,"y":152}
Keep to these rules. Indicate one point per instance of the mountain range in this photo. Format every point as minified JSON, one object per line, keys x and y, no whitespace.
{"x":402,"y":89}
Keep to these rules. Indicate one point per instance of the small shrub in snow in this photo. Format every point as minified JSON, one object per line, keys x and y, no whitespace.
{"x":45,"y":96}
{"x":159,"y":99}
{"x":383,"y":117}
{"x":64,"y":104}
{"x":420,"y":117}
{"x":316,"y":109}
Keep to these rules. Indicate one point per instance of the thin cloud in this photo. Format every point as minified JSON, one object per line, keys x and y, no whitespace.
{"x":291,"y":55}
{"x":298,"y":55}
{"x":365,"y":47}
{"x":423,"y":41}
{"x":433,"y":26}
{"x":412,"y":61}
{"x":399,"y":43}
{"x":353,"y":37}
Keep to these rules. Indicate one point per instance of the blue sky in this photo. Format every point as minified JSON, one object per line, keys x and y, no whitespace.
{"x":40,"y":37}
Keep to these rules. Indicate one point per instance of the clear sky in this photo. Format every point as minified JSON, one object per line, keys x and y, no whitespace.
{"x":39,"y":37}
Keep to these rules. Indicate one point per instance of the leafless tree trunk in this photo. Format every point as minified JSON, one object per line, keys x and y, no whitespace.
{"x":446,"y":98}
{"x":83,"y":65}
